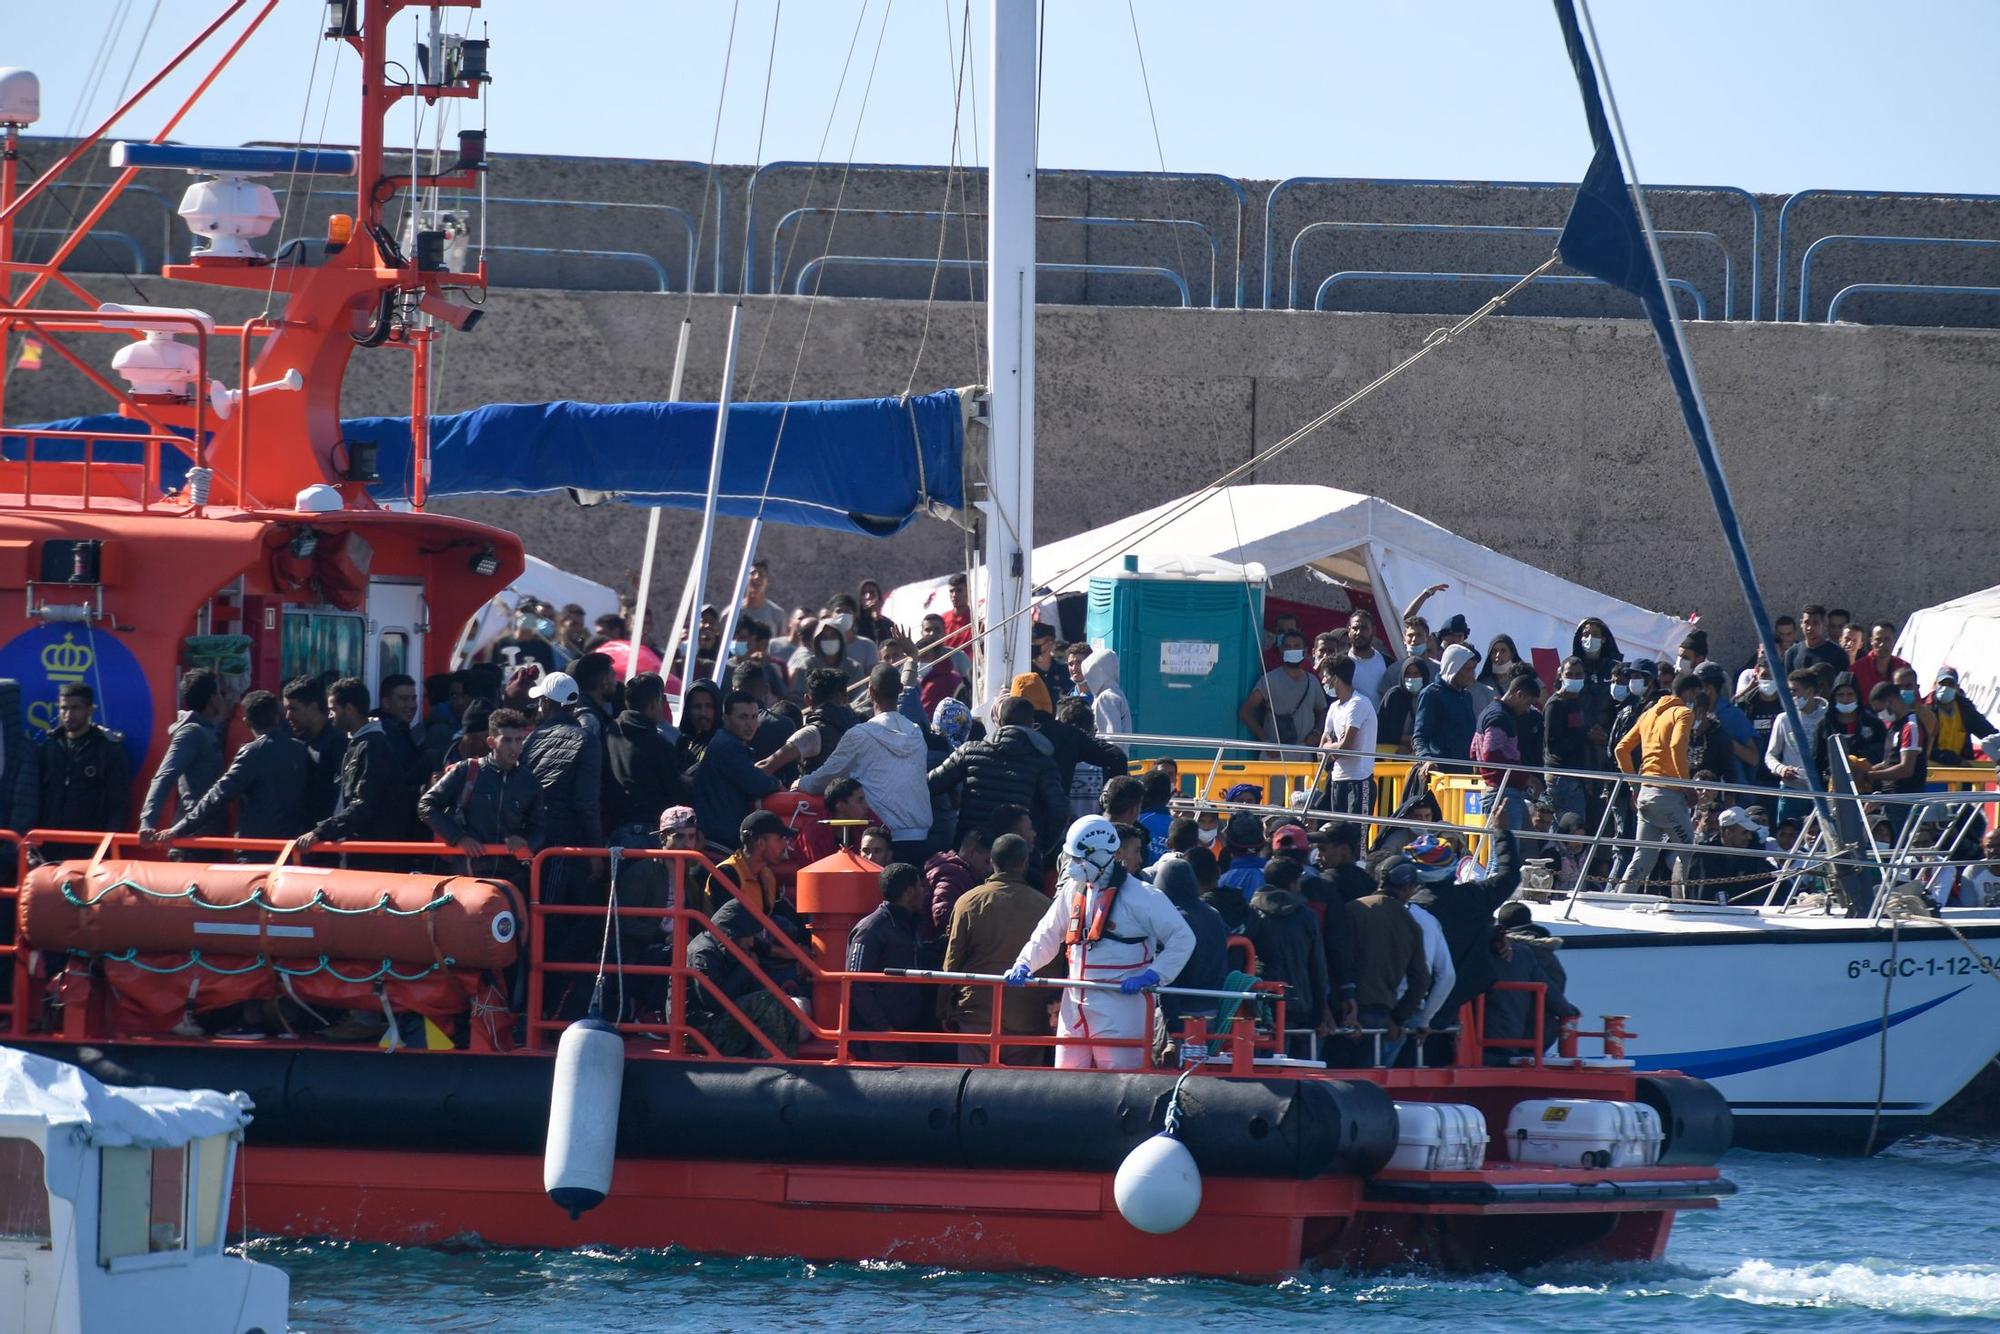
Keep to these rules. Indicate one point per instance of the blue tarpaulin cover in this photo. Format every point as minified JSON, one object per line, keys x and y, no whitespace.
{"x":858,"y":465}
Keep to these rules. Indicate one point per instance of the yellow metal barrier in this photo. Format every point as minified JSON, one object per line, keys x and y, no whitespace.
{"x":1202,"y":777}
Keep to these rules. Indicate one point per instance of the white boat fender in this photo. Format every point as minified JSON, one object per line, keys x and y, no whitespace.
{"x":583,"y":1115}
{"x":1158,"y":1186}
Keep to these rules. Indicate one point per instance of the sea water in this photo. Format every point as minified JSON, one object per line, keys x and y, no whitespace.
{"x":1908,"y":1240}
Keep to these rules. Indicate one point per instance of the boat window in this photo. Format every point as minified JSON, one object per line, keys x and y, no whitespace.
{"x":395,"y":654}
{"x":142,"y":1202}
{"x":317,"y":642}
{"x":167,"y":1214}
{"x":211,"y":1161}
{"x":24,"y":1192}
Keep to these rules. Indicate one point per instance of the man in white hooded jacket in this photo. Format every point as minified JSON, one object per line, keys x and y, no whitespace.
{"x":1108,"y":705}
{"x":887,"y":756}
{"x":1116,"y":928}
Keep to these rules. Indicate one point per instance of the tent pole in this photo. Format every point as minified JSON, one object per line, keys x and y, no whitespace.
{"x":705,"y":544}
{"x":638,"y":627}
{"x":1010,"y":342}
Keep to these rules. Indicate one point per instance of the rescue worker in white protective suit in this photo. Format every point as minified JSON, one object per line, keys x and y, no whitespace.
{"x":1116,"y":928}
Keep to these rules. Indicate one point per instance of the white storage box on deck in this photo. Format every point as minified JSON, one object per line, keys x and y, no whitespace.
{"x":1439,"y":1137}
{"x":1583,"y":1132}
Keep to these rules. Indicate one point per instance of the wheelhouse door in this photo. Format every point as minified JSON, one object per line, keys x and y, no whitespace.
{"x":396,"y":629}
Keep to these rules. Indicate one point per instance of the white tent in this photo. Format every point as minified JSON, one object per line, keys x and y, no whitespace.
{"x":1962,"y":633}
{"x":1367,"y":542}
{"x":545,"y":582}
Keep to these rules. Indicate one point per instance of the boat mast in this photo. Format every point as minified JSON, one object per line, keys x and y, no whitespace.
{"x":1010,"y":340}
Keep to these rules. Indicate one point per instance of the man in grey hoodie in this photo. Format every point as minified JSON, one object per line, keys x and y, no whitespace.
{"x":888,"y":756}
{"x":1107,"y":701}
{"x":192,"y":763}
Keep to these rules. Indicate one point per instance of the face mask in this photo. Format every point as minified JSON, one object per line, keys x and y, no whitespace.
{"x":1909,"y":696}
{"x":1619,"y":690}
{"x":1685,"y":663}
{"x":829,"y":647}
{"x":1294,"y":655}
{"x":546,"y":628}
{"x":1846,"y":705}
{"x":1768,"y":689}
{"x":1946,"y":694}
{"x":846,"y":622}
{"x":739,"y":648}
{"x":1888,"y":718}
{"x":1413,"y":684}
{"x":1209,"y":836}
{"x":525,"y":621}
{"x":1572,"y":685}
{"x":1592,"y":643}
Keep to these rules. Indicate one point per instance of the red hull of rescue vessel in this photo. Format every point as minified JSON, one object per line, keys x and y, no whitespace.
{"x":826,"y":1156}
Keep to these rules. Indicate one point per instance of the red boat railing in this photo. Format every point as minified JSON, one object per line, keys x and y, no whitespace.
{"x":830,"y":1036}
{"x":1254,"y":1034}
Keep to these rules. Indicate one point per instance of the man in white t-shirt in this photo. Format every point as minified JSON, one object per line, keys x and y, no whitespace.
{"x":1349,"y":740}
{"x":1371,"y":664}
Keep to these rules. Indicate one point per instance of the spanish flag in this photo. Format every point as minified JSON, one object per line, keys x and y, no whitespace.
{"x":31,"y":355}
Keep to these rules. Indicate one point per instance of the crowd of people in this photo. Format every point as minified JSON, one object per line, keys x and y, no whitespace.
{"x":1017,"y":840}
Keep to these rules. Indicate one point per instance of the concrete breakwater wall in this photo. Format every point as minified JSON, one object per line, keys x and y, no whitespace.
{"x":1864,"y":460}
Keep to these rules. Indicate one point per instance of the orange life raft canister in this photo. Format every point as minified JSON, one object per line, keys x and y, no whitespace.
{"x":281,"y":912}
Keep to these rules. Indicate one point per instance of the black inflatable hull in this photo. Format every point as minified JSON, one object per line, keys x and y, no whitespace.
{"x":909,"y":1116}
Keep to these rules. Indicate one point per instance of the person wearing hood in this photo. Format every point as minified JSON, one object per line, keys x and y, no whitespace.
{"x":1069,"y":743}
{"x":1396,"y":714}
{"x":888,"y":757}
{"x":192,"y":763}
{"x":721,"y":973}
{"x":1107,"y":701}
{"x":1113,"y":928}
{"x":1444,"y":726}
{"x":1852,"y":726}
{"x":1464,"y":909}
{"x":727,"y":784}
{"x":701,"y":714}
{"x":1207,"y":965}
{"x":827,"y":649}
{"x":1287,"y":937}
{"x":1015,"y":766}
{"x":644,"y":776}
{"x":1596,"y":648}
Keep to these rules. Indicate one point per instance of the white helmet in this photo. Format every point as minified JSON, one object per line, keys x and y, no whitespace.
{"x":1092,"y":847}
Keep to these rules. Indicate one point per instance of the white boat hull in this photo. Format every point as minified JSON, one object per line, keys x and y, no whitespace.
{"x":1825,"y":1034}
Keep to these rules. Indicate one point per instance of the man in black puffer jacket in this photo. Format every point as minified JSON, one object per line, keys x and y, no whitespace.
{"x":1069,"y":745}
{"x":1015,"y":766}
{"x":567,"y":761}
{"x":1286,"y":933}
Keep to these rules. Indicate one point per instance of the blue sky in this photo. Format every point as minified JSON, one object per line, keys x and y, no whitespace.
{"x":1770,"y":95}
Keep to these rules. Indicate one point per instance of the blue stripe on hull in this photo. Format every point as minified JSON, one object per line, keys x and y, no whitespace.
{"x":1763,"y":1055}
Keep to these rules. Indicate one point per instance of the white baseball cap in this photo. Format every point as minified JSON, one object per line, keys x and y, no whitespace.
{"x":556,"y":687}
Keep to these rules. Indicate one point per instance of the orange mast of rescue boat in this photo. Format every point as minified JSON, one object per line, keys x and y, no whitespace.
{"x":274,"y":537}
{"x":366,"y":293}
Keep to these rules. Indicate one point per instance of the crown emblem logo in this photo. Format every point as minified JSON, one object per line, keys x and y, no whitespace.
{"x":67,"y":661}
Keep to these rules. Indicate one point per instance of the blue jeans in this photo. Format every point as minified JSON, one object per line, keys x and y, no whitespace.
{"x":1377,"y":1016}
{"x":1567,"y":794}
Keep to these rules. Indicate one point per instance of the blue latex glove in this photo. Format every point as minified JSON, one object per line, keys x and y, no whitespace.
{"x":1139,"y":982}
{"x":1017,"y":975}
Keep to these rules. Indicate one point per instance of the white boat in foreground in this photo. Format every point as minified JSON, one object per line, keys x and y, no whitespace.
{"x":114,"y":1207}
{"x":1824,"y":1032}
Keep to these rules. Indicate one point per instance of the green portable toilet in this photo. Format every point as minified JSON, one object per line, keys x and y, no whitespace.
{"x":1188,"y":632}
